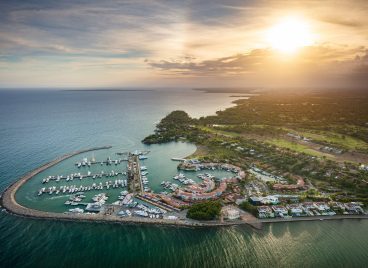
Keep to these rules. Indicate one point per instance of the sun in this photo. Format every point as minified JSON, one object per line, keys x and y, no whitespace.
{"x":289,"y":35}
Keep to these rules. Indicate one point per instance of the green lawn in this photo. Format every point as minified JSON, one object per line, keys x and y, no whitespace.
{"x":220,"y":132}
{"x":297,"y":147}
{"x":346,"y":142}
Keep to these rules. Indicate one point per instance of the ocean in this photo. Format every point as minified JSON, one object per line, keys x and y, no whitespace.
{"x":37,"y":126}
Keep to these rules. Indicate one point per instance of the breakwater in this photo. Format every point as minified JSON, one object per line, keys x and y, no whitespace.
{"x":9,"y":202}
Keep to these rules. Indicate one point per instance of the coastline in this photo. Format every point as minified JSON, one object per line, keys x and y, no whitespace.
{"x":9,"y":203}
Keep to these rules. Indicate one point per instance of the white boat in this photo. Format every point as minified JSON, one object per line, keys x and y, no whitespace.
{"x":76,"y":210}
{"x":122,"y":213}
{"x":141,"y":213}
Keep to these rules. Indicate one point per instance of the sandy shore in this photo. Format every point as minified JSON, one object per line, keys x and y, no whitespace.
{"x":200,"y":151}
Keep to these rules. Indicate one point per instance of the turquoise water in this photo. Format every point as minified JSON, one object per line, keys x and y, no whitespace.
{"x":38,"y":126}
{"x":159,"y":165}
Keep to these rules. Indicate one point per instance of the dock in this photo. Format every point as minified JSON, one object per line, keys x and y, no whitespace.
{"x":160,"y":205}
{"x":135,"y":184}
{"x":71,"y":177}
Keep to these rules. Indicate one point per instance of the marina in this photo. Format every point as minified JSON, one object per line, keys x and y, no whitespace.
{"x":126,"y":195}
{"x":80,"y":176}
{"x":92,"y":193}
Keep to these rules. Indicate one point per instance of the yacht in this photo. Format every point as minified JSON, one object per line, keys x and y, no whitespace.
{"x":76,"y":210}
{"x":141,"y":213}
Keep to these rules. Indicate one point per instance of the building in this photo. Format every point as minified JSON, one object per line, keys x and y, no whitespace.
{"x":265,"y":212}
{"x":230,"y":213}
{"x":255,"y":200}
{"x":190,"y":196}
{"x":266,"y":200}
{"x":354,"y":208}
{"x":296,"y":210}
{"x":280,"y":211}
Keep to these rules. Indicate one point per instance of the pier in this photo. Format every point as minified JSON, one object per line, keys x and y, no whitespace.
{"x":160,"y":205}
{"x":64,"y":189}
{"x":135,"y":184}
{"x":79,"y":176}
{"x":109,"y":162}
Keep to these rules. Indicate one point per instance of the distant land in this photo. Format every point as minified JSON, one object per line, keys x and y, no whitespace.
{"x":107,"y":90}
{"x":228,"y":90}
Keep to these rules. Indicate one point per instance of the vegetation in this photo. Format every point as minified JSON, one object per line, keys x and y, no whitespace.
{"x":248,"y":207}
{"x":205,"y":211}
{"x":170,"y":128}
{"x":254,"y":133}
{"x":296,"y":147}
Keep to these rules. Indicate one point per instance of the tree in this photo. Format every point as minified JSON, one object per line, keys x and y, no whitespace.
{"x":208,"y":210}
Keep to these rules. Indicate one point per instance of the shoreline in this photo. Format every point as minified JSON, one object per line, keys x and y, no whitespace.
{"x":11,"y":206}
{"x":315,"y":218}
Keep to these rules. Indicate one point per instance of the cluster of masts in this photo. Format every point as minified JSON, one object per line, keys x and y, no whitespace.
{"x":169,"y":185}
{"x":87,"y":163}
{"x":74,"y":189}
{"x":181,"y":177}
{"x":80,"y":176}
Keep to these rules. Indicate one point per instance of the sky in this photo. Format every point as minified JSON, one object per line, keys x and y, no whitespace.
{"x":149,"y":43}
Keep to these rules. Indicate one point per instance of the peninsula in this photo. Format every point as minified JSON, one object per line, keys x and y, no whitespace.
{"x":304,"y":155}
{"x":273,"y":173}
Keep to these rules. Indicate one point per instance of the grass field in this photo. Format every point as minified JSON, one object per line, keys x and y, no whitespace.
{"x":345,"y":142}
{"x":220,"y":132}
{"x":298,"y":148}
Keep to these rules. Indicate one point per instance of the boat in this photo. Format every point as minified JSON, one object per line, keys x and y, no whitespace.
{"x":141,"y":213}
{"x":94,"y":207}
{"x":121,"y":213}
{"x":76,"y":210}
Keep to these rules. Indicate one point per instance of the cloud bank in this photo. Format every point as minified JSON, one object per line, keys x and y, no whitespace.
{"x":145,"y":42}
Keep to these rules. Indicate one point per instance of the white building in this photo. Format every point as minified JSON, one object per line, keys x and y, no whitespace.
{"x":230,"y":213}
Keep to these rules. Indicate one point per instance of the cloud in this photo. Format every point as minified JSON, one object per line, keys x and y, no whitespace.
{"x":315,"y":64}
{"x":48,"y":38}
{"x":256,"y":60}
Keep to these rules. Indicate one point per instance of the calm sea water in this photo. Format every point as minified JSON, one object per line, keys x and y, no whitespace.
{"x":38,"y":126}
